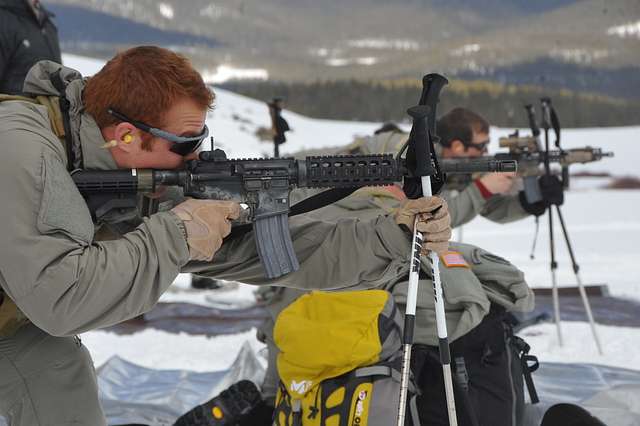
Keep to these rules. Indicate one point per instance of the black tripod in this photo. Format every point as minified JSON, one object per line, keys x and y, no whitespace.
{"x":550,"y":120}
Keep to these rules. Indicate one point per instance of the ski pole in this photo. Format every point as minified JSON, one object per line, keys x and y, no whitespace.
{"x":425,"y":167}
{"x":441,"y":323}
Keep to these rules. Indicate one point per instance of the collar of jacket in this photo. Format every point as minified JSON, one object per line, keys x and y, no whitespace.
{"x":17,"y":7}
{"x":86,"y":136}
{"x":25,"y":8}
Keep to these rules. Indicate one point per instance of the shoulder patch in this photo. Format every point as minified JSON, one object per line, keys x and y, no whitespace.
{"x":475,"y":256}
{"x":454,"y":259}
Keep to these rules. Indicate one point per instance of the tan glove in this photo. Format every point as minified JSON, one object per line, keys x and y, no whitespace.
{"x":434,"y":221}
{"x":207,"y":222}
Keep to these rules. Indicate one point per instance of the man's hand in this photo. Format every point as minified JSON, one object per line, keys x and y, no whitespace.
{"x":552,"y":193}
{"x":498,"y":183}
{"x":433,"y":221}
{"x":207,"y":222}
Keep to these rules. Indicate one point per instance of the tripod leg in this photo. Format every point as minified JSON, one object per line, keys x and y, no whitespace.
{"x":583,"y":293}
{"x":554,"y":281}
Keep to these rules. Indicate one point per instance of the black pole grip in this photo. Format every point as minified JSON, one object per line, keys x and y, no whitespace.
{"x":432,"y":85}
{"x":419,"y":140}
{"x":555,"y":124}
{"x":274,"y":245}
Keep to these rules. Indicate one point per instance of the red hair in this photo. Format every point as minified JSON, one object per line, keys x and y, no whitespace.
{"x":143,"y":83}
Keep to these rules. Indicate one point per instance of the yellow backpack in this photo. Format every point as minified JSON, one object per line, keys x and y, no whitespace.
{"x":339,"y":361}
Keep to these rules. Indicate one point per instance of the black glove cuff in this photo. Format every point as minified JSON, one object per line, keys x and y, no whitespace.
{"x":552,"y":190}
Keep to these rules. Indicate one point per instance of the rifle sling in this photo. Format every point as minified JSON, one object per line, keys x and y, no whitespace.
{"x":314,"y":202}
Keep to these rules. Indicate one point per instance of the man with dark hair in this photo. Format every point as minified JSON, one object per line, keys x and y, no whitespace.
{"x":27,"y":35}
{"x":460,"y":124}
{"x":463,"y":134}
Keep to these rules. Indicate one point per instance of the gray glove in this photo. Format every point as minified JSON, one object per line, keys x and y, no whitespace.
{"x":433,"y":221}
{"x":206,"y":223}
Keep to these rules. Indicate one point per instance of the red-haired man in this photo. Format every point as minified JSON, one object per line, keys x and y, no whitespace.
{"x":59,"y":277}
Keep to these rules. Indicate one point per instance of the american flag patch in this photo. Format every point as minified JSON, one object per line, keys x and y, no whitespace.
{"x":453,"y":259}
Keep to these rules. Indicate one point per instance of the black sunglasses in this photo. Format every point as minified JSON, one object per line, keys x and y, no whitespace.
{"x":480,"y":146}
{"x":182,"y":145}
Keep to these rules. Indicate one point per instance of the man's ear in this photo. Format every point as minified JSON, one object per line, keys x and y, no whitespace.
{"x":457,"y":147}
{"x":128,"y":138}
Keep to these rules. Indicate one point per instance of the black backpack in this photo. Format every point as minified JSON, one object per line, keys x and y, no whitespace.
{"x":490,"y":365}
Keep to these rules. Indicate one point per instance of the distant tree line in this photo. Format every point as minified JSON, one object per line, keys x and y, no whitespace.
{"x":387,"y":100}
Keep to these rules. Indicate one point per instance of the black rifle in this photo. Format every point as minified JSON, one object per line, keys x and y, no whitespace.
{"x":262,"y":184}
{"x":533,"y":161}
{"x":526,"y":151}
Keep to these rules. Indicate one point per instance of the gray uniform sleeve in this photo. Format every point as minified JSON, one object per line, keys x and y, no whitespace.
{"x":62,"y":280}
{"x":465,"y":205}
{"x":347,"y":253}
{"x":504,"y":209}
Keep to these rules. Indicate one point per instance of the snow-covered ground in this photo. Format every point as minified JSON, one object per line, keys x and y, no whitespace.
{"x":604,"y":227}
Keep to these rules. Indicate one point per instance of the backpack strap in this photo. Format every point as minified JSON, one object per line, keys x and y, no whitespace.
{"x":413,"y":409}
{"x":63,"y":116}
{"x":55,"y":114}
{"x":282,"y":409}
{"x":58,"y":111}
{"x":296,"y":412}
{"x":5,"y":97}
{"x":11,"y":317}
{"x":52,"y":105}
{"x":529,"y":364}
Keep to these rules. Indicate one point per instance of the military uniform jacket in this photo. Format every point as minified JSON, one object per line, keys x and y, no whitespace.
{"x":466,"y":204}
{"x":65,"y":281}
{"x":25,"y":38}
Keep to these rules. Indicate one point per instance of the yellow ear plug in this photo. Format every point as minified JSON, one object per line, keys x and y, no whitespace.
{"x":127,"y":138}
{"x":109,"y":144}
